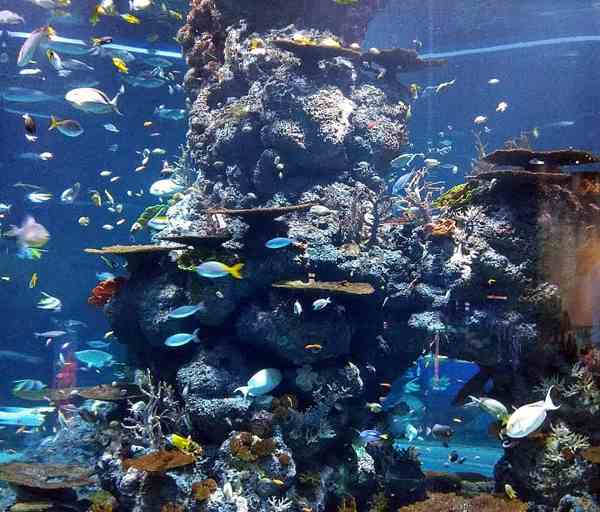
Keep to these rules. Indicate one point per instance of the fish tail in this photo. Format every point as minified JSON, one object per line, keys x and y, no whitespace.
{"x":196,"y":339}
{"x":53,"y":123}
{"x":473,"y":403}
{"x":243,"y":390}
{"x":548,"y":403}
{"x":236,"y":270}
{"x":113,"y":102}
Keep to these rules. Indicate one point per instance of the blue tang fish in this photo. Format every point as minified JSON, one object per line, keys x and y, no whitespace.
{"x":98,"y":344}
{"x":279,"y":243}
{"x":94,"y":358}
{"x":182,"y":338}
{"x":28,"y":385}
{"x":371,"y":436}
{"x":185,"y":311}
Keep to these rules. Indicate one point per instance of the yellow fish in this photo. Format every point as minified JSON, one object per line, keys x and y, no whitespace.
{"x":120,"y":65}
{"x":83,"y":221}
{"x":147,"y":124}
{"x":185,"y":444}
{"x":34,"y":280}
{"x":130,"y":18}
{"x":510,"y":492}
{"x":96,"y":198}
{"x":277,"y":482}
{"x":175,"y":14}
{"x":108,"y":334}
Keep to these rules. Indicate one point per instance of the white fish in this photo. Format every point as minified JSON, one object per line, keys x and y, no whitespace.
{"x":105,"y":174}
{"x":502,"y":106}
{"x":320,"y":210}
{"x":159,"y":151}
{"x":493,"y":407}
{"x":139,"y":5}
{"x":261,"y":383}
{"x":430,"y":163}
{"x":108,"y":227}
{"x":410,"y":432}
{"x":320,"y":304}
{"x":5,"y":207}
{"x":404,"y":160}
{"x":528,"y":418}
{"x":32,"y":43}
{"x":24,"y":416}
{"x":30,"y":72}
{"x":111,"y":128}
{"x":297,"y":308}
{"x":480,"y":120}
{"x":46,"y":155}
{"x":493,"y":81}
{"x":69,"y":195}
{"x":93,"y":101}
{"x":39,"y":197}
{"x":10,"y":18}
{"x":165,"y":188}
{"x":49,"y":303}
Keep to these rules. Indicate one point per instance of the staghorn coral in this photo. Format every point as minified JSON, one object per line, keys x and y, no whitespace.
{"x":418,"y":201}
{"x":279,"y":504}
{"x":555,"y":381}
{"x":161,"y":413}
{"x":584,"y":388}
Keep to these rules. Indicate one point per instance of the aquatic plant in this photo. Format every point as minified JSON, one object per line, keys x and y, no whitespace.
{"x":279,"y":504}
{"x":459,"y":196}
{"x":102,"y":501}
{"x":203,"y":489}
{"x":159,"y":414}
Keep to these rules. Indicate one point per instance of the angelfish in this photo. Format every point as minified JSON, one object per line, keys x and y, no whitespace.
{"x":528,"y":418}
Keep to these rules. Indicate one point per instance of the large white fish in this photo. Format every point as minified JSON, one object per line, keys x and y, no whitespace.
{"x":528,"y":418}
{"x":93,"y":101}
{"x":165,"y":188}
{"x":25,"y":95}
{"x":261,"y":383}
{"x":24,"y":416}
{"x":10,"y":18}
{"x":32,"y":43}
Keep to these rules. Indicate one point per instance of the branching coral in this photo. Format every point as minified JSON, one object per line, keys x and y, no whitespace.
{"x":418,"y":201}
{"x":279,"y":504}
{"x":584,"y":388}
{"x":160,"y":413}
{"x":555,"y":381}
{"x":247,"y":447}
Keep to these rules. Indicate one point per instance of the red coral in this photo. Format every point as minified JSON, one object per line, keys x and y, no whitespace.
{"x":105,"y":290}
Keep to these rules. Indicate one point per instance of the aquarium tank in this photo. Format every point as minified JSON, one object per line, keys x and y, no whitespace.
{"x":304,"y":256}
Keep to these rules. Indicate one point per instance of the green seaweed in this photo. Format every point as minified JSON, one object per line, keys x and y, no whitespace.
{"x":456,"y":198}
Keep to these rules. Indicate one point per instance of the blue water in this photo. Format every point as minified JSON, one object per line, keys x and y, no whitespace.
{"x":545,"y":56}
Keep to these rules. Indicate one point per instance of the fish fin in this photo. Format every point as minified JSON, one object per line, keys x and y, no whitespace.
{"x":64,"y":73}
{"x":244,"y":390}
{"x":236,"y":270}
{"x":473,"y":403}
{"x":53,"y":123}
{"x":196,"y":339}
{"x":113,"y":102}
{"x":548,"y":403}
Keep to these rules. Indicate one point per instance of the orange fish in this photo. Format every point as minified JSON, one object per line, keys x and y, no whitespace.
{"x":385,"y":385}
{"x":277,"y":482}
{"x":313,"y":347}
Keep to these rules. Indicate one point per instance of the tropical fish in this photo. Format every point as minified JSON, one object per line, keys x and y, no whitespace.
{"x":214,"y":269}
{"x":32,"y":43}
{"x":165,"y":188}
{"x":528,"y":418}
{"x":24,"y":416}
{"x":30,"y":128}
{"x":94,"y":358}
{"x":493,"y":81}
{"x":313,"y":347}
{"x":49,"y":334}
{"x":404,"y":160}
{"x":374,"y":407}
{"x":297,"y":308}
{"x":412,"y":386}
{"x":39,"y":197}
{"x":120,"y":65}
{"x":68,"y":127}
{"x":25,"y":95}
{"x":111,"y":128}
{"x":34,"y":280}
{"x":320,"y":211}
{"x":180,"y":339}
{"x":491,"y":406}
{"x":510,"y":492}
{"x":441,"y":432}
{"x":371,"y":436}
{"x":49,"y":303}
{"x":10,"y":18}
{"x":69,"y":195}
{"x":172,"y":114}
{"x":261,"y":383}
{"x":410,"y":432}
{"x":502,"y":106}
{"x":185,"y":311}
{"x":279,"y":243}
{"x":130,"y":18}
{"x":29,"y":253}
{"x":184,"y":444}
{"x":158,"y":223}
{"x":99,"y":41}
{"x":28,"y":385}
{"x":56,"y":63}
{"x":83,"y":221}
{"x":4,"y":208}
{"x":480,"y":120}
{"x":98,"y":344}
{"x":320,"y":304}
{"x":31,"y":233}
{"x":93,"y":101}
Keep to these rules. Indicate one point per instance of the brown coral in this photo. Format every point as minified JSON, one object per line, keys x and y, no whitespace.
{"x":159,"y":462}
{"x":246,"y":447}
{"x":348,"y":504}
{"x":105,"y":291}
{"x":45,"y":476}
{"x":441,"y":502}
{"x":441,"y":227}
{"x":172,"y":507}
{"x":202,"y":490}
